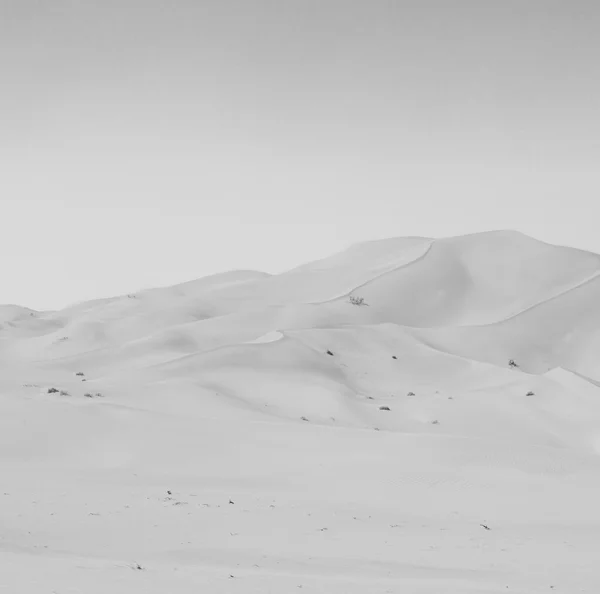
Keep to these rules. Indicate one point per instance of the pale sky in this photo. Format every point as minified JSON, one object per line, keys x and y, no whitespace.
{"x":146,"y":142}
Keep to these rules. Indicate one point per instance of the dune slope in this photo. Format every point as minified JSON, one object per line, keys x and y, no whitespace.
{"x":352,"y":425}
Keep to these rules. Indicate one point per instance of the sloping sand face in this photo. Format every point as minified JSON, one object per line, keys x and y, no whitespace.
{"x":350,"y":426}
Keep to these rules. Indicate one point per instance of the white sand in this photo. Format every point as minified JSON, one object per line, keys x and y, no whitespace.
{"x":222,"y":390}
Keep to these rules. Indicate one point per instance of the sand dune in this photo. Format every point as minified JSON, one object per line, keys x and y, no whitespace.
{"x":352,"y":425}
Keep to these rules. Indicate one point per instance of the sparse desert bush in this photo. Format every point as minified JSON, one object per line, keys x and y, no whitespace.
{"x":411,"y":394}
{"x":355,"y":300}
{"x":435,"y":422}
{"x":304,"y":418}
{"x":511,"y":363}
{"x":96,"y":395}
{"x":530,"y":393}
{"x":64,"y":393}
{"x":330,"y":353}
{"x":53,"y":391}
{"x":80,"y":374}
{"x":384,"y":408}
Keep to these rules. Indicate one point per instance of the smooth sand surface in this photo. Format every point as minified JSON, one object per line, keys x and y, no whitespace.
{"x":352,"y":426}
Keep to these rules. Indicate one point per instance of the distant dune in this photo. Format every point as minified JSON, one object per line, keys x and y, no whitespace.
{"x":366,"y":414}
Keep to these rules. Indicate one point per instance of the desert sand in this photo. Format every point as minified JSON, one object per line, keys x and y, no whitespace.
{"x":351,"y":426}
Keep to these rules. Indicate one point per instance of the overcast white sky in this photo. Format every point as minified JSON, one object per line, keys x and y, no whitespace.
{"x":147,"y":142}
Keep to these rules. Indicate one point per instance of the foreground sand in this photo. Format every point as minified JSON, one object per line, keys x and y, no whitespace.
{"x":231,"y":439}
